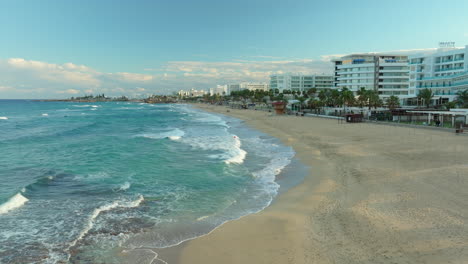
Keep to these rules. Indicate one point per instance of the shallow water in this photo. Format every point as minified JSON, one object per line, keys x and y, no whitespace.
{"x":78,"y":182}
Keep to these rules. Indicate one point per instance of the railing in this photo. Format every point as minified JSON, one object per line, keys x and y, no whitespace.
{"x":442,"y":85}
{"x":445,"y":77}
{"x":416,"y":62}
{"x":444,"y":61}
{"x":449,"y":69}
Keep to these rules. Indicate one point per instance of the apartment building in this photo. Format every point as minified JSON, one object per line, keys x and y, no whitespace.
{"x":388,"y":74}
{"x":248,"y":86}
{"x":445,"y":72}
{"x":192,"y":93}
{"x":300,"y":82}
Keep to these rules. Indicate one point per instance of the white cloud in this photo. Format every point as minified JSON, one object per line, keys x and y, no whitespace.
{"x":133,"y":77}
{"x":21,"y":78}
{"x":69,"y":91}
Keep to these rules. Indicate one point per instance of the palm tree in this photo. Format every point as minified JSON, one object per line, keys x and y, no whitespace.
{"x":363,"y":98}
{"x":324,"y":96}
{"x":393,"y":102}
{"x":426,"y":94}
{"x":335,"y":97}
{"x":347,"y":97}
{"x":462,"y":98}
{"x":450,"y":105}
{"x":374,"y":99}
{"x":311,"y":92}
{"x":301,"y":101}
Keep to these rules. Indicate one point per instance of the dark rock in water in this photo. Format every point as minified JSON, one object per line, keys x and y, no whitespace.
{"x":31,"y":253}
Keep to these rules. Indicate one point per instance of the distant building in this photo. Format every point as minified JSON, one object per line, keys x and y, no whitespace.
{"x":385,"y":73}
{"x":192,"y":93}
{"x":219,"y":90}
{"x":300,"y":82}
{"x":247,"y":86}
{"x":445,"y":72}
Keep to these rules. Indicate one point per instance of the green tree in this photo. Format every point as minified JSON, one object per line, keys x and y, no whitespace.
{"x":462,"y":98}
{"x":374,"y":99}
{"x":450,"y":105}
{"x":393,"y":102}
{"x":311,"y":92}
{"x":301,"y":101}
{"x":336,"y":99}
{"x":426,"y":95}
{"x":363,"y":97}
{"x":347,"y":97}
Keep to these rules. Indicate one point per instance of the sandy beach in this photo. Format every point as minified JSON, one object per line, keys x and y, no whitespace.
{"x":374,"y":194}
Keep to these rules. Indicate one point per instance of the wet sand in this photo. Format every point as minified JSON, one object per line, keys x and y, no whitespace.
{"x":374,"y":194}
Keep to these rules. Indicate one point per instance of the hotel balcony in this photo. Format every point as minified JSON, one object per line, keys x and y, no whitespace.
{"x":443,"y":85}
{"x":449,"y":69}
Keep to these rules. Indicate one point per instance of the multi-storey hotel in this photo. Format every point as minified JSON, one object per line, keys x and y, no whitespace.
{"x":445,"y":72}
{"x":386,"y":74}
{"x":192,"y":93}
{"x":248,"y":86}
{"x":300,"y":82}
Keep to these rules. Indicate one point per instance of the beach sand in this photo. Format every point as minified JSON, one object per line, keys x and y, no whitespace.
{"x":375,"y":194}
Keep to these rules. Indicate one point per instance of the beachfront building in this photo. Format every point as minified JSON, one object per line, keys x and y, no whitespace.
{"x":192,"y":93}
{"x":388,"y":74}
{"x":300,"y":82}
{"x":445,"y":72}
{"x":248,"y":86}
{"x":219,"y":90}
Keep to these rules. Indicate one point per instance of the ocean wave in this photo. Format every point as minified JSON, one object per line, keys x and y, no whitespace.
{"x":14,"y":202}
{"x":116,"y":204}
{"x":3,"y":118}
{"x":125,"y":186}
{"x":229,"y":145}
{"x":93,"y":106}
{"x":175,"y":134}
{"x":237,"y":154}
{"x":93,"y":176}
{"x":45,"y":114}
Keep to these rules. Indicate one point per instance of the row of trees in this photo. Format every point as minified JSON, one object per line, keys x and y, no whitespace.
{"x":314,"y":98}
{"x":427,"y":94}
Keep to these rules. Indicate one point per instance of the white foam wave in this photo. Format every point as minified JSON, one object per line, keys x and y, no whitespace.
{"x":175,"y":134}
{"x":14,"y":202}
{"x":45,"y":114}
{"x":93,"y":176}
{"x":238,"y":154}
{"x":229,"y":145}
{"x":275,"y":166}
{"x":202,"y":217}
{"x":3,"y":118}
{"x":125,"y":186}
{"x":104,"y":208}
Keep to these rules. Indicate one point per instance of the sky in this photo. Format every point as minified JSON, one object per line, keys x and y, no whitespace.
{"x":59,"y":49}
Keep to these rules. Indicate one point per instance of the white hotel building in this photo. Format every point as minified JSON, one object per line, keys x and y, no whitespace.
{"x":385,"y":73}
{"x":248,"y":86}
{"x":192,"y":93}
{"x":445,"y":72}
{"x":300,"y":82}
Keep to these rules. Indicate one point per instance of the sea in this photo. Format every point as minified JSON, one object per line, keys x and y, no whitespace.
{"x":112,"y":182}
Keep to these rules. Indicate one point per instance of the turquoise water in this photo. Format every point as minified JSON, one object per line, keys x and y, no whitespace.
{"x":83,"y":183}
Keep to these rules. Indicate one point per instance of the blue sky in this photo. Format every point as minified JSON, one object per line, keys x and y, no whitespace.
{"x":139,"y":47}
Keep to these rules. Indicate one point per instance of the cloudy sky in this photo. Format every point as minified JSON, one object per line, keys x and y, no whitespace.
{"x":58,"y":49}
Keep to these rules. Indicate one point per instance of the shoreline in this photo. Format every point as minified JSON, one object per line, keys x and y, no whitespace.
{"x":368,"y":198}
